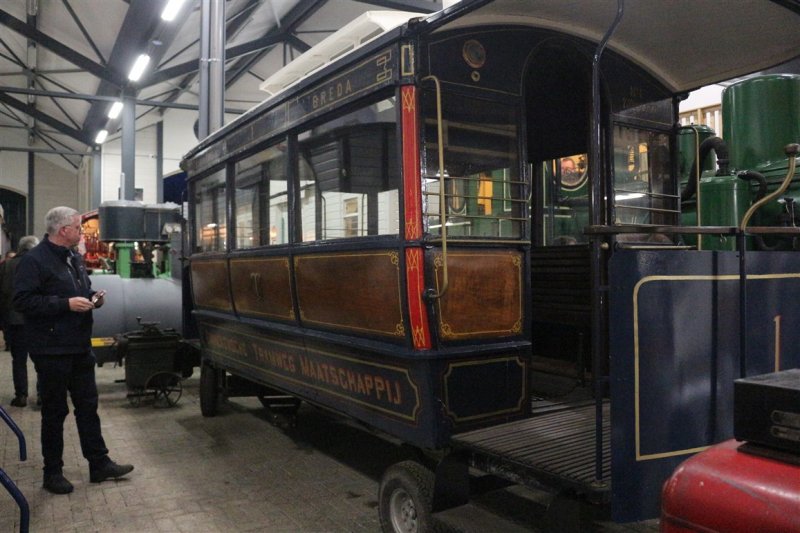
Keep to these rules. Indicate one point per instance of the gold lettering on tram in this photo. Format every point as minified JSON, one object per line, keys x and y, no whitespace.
{"x":331,"y":94}
{"x":363,"y":384}
{"x":370,"y":386}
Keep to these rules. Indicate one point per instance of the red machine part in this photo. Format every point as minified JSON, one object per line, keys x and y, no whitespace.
{"x":725,"y":490}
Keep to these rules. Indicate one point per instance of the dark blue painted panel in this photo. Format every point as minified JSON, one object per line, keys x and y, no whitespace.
{"x":421,"y":400}
{"x":674,"y":343}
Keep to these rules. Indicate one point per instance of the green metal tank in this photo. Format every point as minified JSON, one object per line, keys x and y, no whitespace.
{"x":759,"y":117}
{"x":723,"y":201}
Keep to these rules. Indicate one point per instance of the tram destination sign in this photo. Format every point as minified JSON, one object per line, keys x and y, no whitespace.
{"x":367,"y":76}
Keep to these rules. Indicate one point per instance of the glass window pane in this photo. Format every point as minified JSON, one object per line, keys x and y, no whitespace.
{"x":261,"y":199}
{"x":350,"y":177}
{"x":209,"y":216}
{"x":564,"y":200}
{"x":483,"y":195}
{"x":643,"y":188}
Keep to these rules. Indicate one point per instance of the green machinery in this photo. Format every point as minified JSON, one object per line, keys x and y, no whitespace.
{"x":760,"y":116}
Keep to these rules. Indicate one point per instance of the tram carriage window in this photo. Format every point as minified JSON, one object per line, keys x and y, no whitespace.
{"x":349,"y":175}
{"x":642,"y":182}
{"x":261,"y":199}
{"x":565,"y":200}
{"x":209,"y":201}
{"x":484,"y":196}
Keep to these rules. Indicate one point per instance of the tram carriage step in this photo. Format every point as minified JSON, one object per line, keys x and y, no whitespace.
{"x":471,"y":518}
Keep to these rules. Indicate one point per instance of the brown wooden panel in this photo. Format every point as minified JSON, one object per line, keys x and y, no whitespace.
{"x":262,"y":287}
{"x":357,"y":291}
{"x":210,"y":284}
{"x":484,"y":296}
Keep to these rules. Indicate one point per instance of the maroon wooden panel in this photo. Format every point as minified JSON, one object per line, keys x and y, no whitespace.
{"x":484,"y":294}
{"x":210,"y":284}
{"x":262,"y":287}
{"x":358,"y":291}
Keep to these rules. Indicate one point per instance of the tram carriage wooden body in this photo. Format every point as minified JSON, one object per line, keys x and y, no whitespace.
{"x":397,"y":236}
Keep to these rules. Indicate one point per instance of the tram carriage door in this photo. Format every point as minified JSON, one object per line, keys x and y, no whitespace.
{"x":558,"y":109}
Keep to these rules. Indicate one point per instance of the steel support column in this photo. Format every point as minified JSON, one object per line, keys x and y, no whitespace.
{"x":160,"y":161}
{"x":212,"y":67}
{"x":128,"y":177}
{"x":97,"y":173}
{"x":31,"y":182}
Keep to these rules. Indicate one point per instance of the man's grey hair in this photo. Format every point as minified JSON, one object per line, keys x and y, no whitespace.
{"x":57,"y":217}
{"x":27,"y":242}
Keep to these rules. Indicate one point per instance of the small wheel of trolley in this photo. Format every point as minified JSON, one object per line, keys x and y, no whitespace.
{"x":166,"y":388}
{"x":135,"y":396}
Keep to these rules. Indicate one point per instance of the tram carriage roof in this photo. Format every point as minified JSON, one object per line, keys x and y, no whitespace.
{"x":685,"y":44}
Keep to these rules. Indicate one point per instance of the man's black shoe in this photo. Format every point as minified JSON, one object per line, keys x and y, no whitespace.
{"x":57,"y":484}
{"x":110,"y":470}
{"x":19,"y":401}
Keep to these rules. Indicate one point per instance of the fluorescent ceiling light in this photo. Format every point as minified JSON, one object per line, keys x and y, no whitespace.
{"x":138,"y":67}
{"x":116,"y":109}
{"x":101,"y":137}
{"x":171,"y":10}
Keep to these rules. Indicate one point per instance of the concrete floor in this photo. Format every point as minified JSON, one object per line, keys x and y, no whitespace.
{"x":233,"y":472}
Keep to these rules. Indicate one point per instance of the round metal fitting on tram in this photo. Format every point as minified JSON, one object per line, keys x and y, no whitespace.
{"x":474,"y":53}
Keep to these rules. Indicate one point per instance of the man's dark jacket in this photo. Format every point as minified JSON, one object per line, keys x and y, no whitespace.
{"x":43,"y":285}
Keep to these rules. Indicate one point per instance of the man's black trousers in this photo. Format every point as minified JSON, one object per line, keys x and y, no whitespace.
{"x":74,"y":374}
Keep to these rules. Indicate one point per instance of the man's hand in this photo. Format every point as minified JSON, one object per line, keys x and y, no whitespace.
{"x":79,"y":304}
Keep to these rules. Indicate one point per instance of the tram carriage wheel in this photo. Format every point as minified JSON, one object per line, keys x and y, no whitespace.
{"x":209,"y":392}
{"x":406,"y":498}
{"x":166,"y":387}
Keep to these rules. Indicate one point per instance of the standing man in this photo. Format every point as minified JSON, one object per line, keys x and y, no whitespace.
{"x":53,"y":292}
{"x":14,"y":323}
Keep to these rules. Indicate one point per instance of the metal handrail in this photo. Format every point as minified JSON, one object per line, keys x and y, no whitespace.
{"x":595,"y":212}
{"x":707,"y":230}
{"x":791,"y":152}
{"x":431,"y":292}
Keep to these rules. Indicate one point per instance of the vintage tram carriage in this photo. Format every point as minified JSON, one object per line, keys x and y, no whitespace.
{"x":428,"y":213}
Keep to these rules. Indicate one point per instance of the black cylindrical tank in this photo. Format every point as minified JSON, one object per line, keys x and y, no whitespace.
{"x":121,"y":220}
{"x":154,"y":300}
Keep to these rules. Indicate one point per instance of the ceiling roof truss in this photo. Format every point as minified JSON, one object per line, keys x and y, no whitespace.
{"x":96,"y":69}
{"x":31,"y":111}
{"x":85,"y":33}
{"x":141,"y":30}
